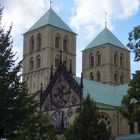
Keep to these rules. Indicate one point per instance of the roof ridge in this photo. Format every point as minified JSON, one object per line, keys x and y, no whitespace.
{"x":114,"y":36}
{"x":50,"y":18}
{"x":105,"y":37}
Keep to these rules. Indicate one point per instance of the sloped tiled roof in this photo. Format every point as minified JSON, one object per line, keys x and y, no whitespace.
{"x":104,"y":93}
{"x":50,"y":18}
{"x":105,"y":37}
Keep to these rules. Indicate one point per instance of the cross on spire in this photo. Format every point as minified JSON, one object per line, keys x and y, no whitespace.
{"x":50,"y":3}
{"x":106,"y":19}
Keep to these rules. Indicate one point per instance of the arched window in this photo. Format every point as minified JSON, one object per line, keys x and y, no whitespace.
{"x":121,"y":60}
{"x":31,"y":43}
{"x":31,"y":63}
{"x":38,"y":61}
{"x":57,"y":41}
{"x":65,"y":61}
{"x":104,"y":117}
{"x":115,"y":77}
{"x":115,"y":58}
{"x":57,"y":61}
{"x":98,"y":58}
{"x":122,"y":78}
{"x":98,"y":76}
{"x":91,"y":60}
{"x":91,"y":76}
{"x":65,"y":43}
{"x":38,"y":41}
{"x":71,"y":64}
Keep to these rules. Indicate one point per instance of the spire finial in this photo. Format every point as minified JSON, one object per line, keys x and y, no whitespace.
{"x":50,"y":4}
{"x":105,"y":19}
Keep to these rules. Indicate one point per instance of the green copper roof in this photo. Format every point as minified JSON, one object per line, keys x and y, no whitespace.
{"x":105,"y":37}
{"x":50,"y":18}
{"x":104,"y":93}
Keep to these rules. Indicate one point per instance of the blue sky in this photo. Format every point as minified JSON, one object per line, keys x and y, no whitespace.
{"x":85,"y":17}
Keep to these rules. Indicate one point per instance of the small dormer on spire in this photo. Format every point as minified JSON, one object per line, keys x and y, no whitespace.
{"x":105,"y":19}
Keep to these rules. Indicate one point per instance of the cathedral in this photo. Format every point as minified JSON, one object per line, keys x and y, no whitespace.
{"x":49,"y":66}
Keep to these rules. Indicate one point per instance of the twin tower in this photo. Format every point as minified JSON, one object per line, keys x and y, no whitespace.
{"x":104,"y":60}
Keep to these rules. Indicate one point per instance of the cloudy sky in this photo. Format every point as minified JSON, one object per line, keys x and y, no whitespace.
{"x":85,"y":17}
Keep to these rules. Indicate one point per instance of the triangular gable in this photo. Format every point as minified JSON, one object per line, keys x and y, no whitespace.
{"x":63,"y":82}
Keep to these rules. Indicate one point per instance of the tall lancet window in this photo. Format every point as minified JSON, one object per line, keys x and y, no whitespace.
{"x":57,"y":61}
{"x":38,"y":41}
{"x":65,"y":61}
{"x":98,"y":58}
{"x":98,"y":76}
{"x":115,"y":58}
{"x":31,"y":42}
{"x":91,"y":60}
{"x":115,"y":77}
{"x":31,"y":63}
{"x":38,"y":61}
{"x":121,"y":60}
{"x":65,"y":44}
{"x":91,"y":76}
{"x":122,"y":78}
{"x":70,"y":68}
{"x":57,"y":37}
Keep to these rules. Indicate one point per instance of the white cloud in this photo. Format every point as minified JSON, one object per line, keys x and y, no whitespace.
{"x":88,"y":17}
{"x":91,"y":13}
{"x":23,"y":14}
{"x":129,"y":8}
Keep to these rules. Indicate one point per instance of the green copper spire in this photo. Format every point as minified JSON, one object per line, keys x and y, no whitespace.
{"x":105,"y":37}
{"x":50,"y":18}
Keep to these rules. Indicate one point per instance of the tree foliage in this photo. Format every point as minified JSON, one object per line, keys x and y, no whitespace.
{"x":134,"y":42}
{"x":130,"y":108}
{"x":19,"y":115}
{"x":87,"y":125}
{"x":38,"y":128}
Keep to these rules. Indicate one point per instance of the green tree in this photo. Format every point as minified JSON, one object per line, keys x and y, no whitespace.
{"x":39,"y":128}
{"x":134,"y":42}
{"x":87,"y":125}
{"x":130,"y":108}
{"x":19,"y":115}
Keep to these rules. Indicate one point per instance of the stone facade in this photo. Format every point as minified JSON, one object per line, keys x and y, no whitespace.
{"x":106,"y":64}
{"x":62,"y":98}
{"x":113,"y":119}
{"x":42,"y":49}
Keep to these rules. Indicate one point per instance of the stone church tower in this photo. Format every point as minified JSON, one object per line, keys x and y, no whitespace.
{"x":106,"y":60}
{"x":43,"y":43}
